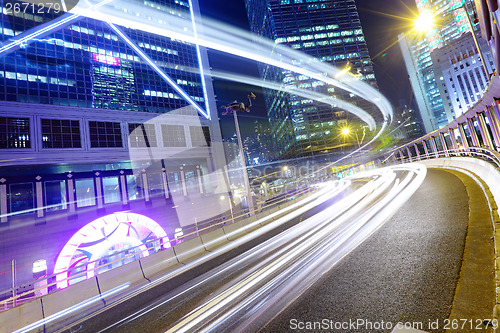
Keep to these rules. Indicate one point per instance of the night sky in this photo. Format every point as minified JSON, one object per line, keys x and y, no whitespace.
{"x":382,"y":21}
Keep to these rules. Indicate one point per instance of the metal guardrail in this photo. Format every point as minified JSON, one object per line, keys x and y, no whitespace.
{"x":489,"y":155}
{"x":152,"y":246}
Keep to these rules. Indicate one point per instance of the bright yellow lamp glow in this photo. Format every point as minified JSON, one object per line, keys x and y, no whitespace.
{"x":345,"y":131}
{"x":424,"y":22}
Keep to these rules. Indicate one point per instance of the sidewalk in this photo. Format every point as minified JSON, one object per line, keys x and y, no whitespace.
{"x":475,"y":293}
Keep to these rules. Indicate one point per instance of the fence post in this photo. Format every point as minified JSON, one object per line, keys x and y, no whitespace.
{"x":14,"y":282}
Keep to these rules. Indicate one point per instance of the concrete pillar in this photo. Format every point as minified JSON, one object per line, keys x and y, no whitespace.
{"x":443,"y":144}
{"x":424,"y":143}
{"x":494,"y":125}
{"x":409,"y":154}
{"x":145,"y":185}
{"x":98,"y":189}
{"x":3,"y":201}
{"x":198,"y":176}
{"x":401,"y":156}
{"x":485,"y":133}
{"x":70,"y":187}
{"x":451,"y":133}
{"x":417,"y":152}
{"x":462,"y":135}
{"x":434,"y":147}
{"x":183,"y":182}
{"x":472,"y":131}
{"x":39,"y":197}
{"x":165,"y":183}
{"x":123,"y":188}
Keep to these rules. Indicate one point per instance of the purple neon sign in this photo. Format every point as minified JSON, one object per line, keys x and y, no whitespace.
{"x":118,"y":230}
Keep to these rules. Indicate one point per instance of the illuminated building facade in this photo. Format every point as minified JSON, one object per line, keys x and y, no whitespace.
{"x":417,"y":48}
{"x":88,"y":128}
{"x":329,"y":30}
{"x":462,"y":78}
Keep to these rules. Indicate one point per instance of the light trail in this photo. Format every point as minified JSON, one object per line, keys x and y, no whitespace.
{"x":234,"y":41}
{"x":328,"y":191}
{"x":307,"y":257}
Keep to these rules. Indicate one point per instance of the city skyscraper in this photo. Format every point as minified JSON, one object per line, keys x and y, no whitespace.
{"x":461,"y":74}
{"x":451,"y":22}
{"x":329,"y":30}
{"x":96,"y":119}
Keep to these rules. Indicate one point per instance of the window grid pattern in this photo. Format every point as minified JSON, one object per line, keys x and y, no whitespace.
{"x":173,"y":135}
{"x":57,"y":133}
{"x":14,"y":133}
{"x":85,"y":65}
{"x":200,"y":136}
{"x":104,"y":134}
{"x":142,"y":135}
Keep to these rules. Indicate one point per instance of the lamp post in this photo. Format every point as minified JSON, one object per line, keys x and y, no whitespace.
{"x":234,"y":108}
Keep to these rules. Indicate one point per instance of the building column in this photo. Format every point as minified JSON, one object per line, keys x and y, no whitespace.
{"x":394,"y":158}
{"x":198,"y":175}
{"x":145,"y":186}
{"x":485,"y":132}
{"x":472,"y":131}
{"x":123,"y":188}
{"x":401,"y":156}
{"x":39,"y":197}
{"x":409,"y":154}
{"x":98,"y":190}
{"x":494,"y":124}
{"x":451,"y":133}
{"x":183,"y":182}
{"x":461,"y":130}
{"x":70,"y":187}
{"x":165,"y":182}
{"x":426,"y":150}
{"x":3,"y":201}
{"x":443,"y":144}
{"x":417,"y":152}
{"x":434,"y":146}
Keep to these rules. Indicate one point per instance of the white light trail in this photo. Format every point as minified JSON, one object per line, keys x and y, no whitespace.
{"x":237,"y":42}
{"x":72,"y":309}
{"x":305,"y":258}
{"x":158,"y":70}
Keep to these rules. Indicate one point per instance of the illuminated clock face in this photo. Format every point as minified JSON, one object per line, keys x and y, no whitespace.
{"x":106,"y":243}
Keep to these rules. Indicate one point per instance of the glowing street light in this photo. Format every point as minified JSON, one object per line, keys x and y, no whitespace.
{"x":424,"y":22}
{"x":345,"y":131}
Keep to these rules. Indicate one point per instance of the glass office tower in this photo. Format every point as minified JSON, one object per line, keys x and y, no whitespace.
{"x":451,"y":22}
{"x":88,"y":128}
{"x":329,"y":30}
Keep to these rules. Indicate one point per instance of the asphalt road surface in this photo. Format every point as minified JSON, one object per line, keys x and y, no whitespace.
{"x":406,"y":272}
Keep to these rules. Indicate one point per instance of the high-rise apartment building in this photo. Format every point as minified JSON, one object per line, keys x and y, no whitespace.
{"x":329,"y":30}
{"x":450,"y":22}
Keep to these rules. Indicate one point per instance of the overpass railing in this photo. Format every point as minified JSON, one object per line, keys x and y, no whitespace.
{"x":477,"y":130}
{"x":26,"y":292}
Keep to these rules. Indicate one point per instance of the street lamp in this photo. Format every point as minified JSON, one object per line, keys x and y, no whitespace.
{"x":234,"y":108}
{"x":424,"y":22}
